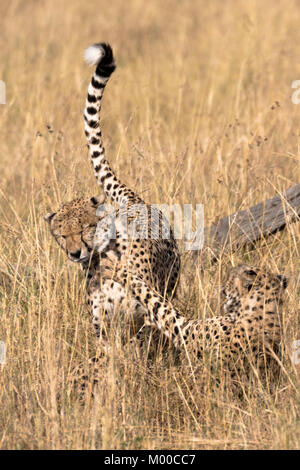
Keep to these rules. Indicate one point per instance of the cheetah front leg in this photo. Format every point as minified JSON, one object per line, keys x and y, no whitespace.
{"x":100,"y":320}
{"x":109,"y":301}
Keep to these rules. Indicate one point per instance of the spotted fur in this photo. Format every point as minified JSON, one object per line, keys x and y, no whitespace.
{"x":86,"y":230}
{"x":249,"y":331}
{"x":106,"y":178}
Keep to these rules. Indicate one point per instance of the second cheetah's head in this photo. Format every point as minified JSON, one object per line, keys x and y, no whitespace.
{"x":73,"y":226}
{"x":247,"y":282}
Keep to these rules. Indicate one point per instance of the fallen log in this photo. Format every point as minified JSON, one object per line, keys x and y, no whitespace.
{"x":247,"y":226}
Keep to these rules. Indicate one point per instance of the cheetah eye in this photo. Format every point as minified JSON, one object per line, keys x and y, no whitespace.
{"x":251,"y":272}
{"x":249,"y":287}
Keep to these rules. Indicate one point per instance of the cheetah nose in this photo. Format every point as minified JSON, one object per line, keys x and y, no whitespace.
{"x":76,"y":254}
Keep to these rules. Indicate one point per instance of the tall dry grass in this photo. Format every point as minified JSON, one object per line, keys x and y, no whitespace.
{"x":187,"y":118}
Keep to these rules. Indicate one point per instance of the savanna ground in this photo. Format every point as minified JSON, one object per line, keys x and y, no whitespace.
{"x":190,"y":116}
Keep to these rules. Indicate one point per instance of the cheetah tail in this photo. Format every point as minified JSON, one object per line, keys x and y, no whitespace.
{"x":101,"y":56}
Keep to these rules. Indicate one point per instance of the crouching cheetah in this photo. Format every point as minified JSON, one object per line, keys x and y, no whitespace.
{"x":247,"y":334}
{"x":89,"y":231}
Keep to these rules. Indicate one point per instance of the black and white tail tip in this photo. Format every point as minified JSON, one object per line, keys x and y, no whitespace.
{"x":100,"y":53}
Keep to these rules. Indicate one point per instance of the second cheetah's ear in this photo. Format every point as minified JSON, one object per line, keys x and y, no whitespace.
{"x":48,"y":217}
{"x":283,"y":280}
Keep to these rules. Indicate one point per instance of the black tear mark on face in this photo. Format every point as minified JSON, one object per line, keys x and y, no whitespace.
{"x":249,"y":287}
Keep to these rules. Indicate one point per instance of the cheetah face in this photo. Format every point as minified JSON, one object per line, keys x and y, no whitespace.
{"x":247,"y":282}
{"x":74,"y":225}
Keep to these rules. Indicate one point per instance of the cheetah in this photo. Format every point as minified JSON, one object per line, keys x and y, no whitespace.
{"x":248,"y":333}
{"x":89,"y":230}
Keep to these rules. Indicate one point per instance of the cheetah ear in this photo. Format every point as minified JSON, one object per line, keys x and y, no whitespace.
{"x":48,"y":217}
{"x":222,"y":289}
{"x":283,"y":280}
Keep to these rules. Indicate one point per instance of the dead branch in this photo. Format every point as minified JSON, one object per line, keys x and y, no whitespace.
{"x":247,"y":226}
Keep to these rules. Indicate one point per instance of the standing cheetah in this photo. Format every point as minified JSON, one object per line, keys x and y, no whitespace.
{"x":89,"y":232}
{"x":249,"y":331}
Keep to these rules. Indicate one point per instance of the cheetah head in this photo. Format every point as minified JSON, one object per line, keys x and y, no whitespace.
{"x":74,"y":225}
{"x":253,"y":285}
